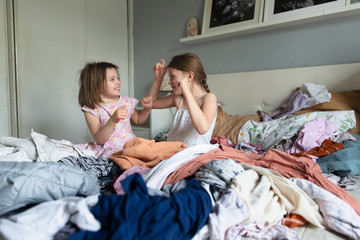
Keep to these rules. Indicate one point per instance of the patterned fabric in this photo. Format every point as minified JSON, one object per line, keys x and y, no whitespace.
{"x":260,"y":230}
{"x":122,"y":132}
{"x":101,"y":165}
{"x":338,"y":214}
{"x":162,"y":136}
{"x":218,"y":174}
{"x":293,"y":220}
{"x":326,"y":148}
{"x":270,"y":134}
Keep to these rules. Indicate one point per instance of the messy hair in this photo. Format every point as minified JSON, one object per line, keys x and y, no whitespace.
{"x":92,"y":80}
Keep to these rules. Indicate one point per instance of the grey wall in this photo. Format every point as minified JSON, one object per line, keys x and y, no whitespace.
{"x":159,"y":25}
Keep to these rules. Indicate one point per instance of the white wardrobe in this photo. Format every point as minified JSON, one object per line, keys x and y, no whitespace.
{"x":43,"y":46}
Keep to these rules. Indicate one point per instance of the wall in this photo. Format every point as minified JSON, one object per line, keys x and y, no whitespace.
{"x":54,"y":42}
{"x":159,"y":25}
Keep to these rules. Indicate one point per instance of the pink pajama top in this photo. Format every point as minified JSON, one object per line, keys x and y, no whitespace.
{"x":122,"y":132}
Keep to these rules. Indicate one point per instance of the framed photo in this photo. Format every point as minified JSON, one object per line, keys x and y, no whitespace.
{"x":279,"y":9}
{"x":227,"y":14}
{"x":352,"y":1}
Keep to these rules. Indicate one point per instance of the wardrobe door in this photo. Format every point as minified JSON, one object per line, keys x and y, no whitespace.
{"x":54,"y":41}
{"x":4,"y":91}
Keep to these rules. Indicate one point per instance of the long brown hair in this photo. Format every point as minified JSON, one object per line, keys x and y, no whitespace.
{"x":92,"y":79}
{"x":190,"y":62}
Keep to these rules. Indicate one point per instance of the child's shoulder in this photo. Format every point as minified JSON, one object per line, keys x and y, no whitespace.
{"x":95,"y":111}
{"x":88,"y":109}
{"x":210,"y":96}
{"x":210,"y":99}
{"x":125,"y":99}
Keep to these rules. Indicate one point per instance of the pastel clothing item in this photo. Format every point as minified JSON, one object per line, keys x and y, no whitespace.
{"x":182,"y":129}
{"x":145,"y":152}
{"x":122,"y":132}
{"x":313,"y":134}
{"x":308,"y":95}
{"x":135,"y":169}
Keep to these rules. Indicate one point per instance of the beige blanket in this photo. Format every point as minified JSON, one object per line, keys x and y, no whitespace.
{"x":229,"y":125}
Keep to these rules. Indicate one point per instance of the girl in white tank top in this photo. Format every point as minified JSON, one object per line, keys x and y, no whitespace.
{"x":182,"y":129}
{"x":195,"y":118}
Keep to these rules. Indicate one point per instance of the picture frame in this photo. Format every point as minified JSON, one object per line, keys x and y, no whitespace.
{"x":349,"y":2}
{"x":220,"y":15}
{"x":276,"y":9}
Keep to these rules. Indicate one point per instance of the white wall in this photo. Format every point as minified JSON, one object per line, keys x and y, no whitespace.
{"x":54,"y":41}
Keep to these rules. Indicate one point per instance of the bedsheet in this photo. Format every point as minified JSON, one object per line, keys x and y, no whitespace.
{"x":269,"y":134}
{"x":26,"y":183}
{"x":38,"y":148}
{"x":43,"y":221}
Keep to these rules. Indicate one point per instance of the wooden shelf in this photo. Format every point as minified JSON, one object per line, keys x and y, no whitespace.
{"x":327,"y":14}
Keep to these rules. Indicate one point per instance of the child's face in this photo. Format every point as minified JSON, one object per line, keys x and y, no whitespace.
{"x":176,"y":76}
{"x":112,"y":84}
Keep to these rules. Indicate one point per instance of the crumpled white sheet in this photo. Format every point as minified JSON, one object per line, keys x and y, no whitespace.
{"x":43,"y":221}
{"x":13,"y":154}
{"x":338,"y":214}
{"x":38,"y":148}
{"x":315,"y":93}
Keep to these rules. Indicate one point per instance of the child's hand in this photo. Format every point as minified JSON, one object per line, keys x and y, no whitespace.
{"x":160,"y":69}
{"x":147,"y":102}
{"x":119,"y":114}
{"x":183,"y":83}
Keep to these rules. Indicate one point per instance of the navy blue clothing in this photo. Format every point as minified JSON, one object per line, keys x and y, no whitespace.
{"x":136,"y":215}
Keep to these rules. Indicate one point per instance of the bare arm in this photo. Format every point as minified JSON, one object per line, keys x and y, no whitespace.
{"x":139,"y":117}
{"x":165,"y":102}
{"x":102,"y":133}
{"x":203,"y":117}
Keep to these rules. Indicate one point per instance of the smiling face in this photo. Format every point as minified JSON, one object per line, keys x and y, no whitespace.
{"x":112,"y":85}
{"x":175,"y":75}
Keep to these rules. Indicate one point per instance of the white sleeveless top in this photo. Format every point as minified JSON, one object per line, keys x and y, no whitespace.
{"x":183,"y":130}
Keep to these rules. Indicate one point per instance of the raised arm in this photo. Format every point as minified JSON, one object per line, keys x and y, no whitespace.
{"x":159,"y":72}
{"x":202,"y":117}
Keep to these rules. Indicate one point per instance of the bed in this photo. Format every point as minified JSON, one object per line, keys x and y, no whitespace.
{"x":246,"y":184}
